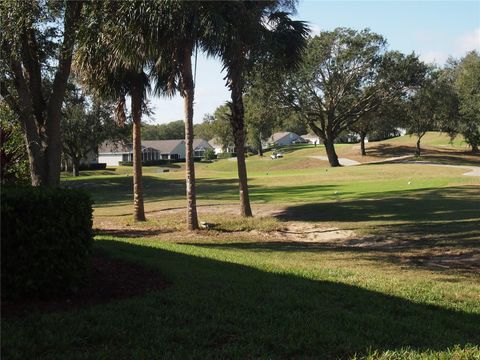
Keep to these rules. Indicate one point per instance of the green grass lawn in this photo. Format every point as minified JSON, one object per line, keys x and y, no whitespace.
{"x":403,"y":284}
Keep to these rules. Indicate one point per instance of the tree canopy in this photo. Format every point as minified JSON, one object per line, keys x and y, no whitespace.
{"x":171,"y":130}
{"x":344,"y":75}
{"x":37,"y":44}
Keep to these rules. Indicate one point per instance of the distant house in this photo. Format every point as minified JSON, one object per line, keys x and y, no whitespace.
{"x":152,"y":150}
{"x":285,"y":138}
{"x":219,"y":148}
{"x":312,"y":139}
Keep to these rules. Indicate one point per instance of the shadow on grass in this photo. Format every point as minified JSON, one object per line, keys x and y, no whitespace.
{"x":217,"y":309}
{"x":447,"y":155}
{"x":114,"y":190}
{"x":466,"y":159}
{"x":435,"y":229}
{"x":415,"y":206}
{"x":132,"y":233}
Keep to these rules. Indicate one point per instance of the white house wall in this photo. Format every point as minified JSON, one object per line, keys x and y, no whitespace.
{"x":110,"y":159}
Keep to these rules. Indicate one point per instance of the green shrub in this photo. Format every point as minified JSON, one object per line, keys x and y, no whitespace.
{"x":46,"y":241}
{"x":209,"y":154}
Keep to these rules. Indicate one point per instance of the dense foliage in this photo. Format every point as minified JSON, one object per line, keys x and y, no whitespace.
{"x":169,"y":131}
{"x":46,"y":240}
{"x":466,"y":81}
{"x":86,"y":123}
{"x":13,"y":153}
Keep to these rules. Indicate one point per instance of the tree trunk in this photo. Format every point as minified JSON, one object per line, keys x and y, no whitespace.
{"x":188,"y":97}
{"x":138,"y":206}
{"x":331,"y":154}
{"x":475,"y":149}
{"x":41,"y":121}
{"x":418,"y":150}
{"x":76,"y":166}
{"x":260,"y":150}
{"x":237,"y":121}
{"x":36,"y":161}
{"x":362,"y":144}
{"x":53,"y":151}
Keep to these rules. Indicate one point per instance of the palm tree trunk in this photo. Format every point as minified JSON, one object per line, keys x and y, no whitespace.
{"x":138,"y":206}
{"x":238,"y":127}
{"x":188,"y":97}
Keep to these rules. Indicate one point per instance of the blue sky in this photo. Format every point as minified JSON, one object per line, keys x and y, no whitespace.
{"x":432,"y":29}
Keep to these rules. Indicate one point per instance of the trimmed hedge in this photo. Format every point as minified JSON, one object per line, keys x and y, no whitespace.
{"x":46,"y":241}
{"x":93,"y":166}
{"x":149,"y":162}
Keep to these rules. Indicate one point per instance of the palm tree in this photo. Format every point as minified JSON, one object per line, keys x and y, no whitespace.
{"x":175,"y":29}
{"x":255,"y":33}
{"x":112,"y":71}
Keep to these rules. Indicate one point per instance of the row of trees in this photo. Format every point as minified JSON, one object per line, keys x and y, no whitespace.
{"x":171,"y":130}
{"x":127,"y":49}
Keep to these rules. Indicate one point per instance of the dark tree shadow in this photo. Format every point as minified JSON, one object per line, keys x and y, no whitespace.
{"x":114,"y":190}
{"x":440,"y":227}
{"x":225,"y":310}
{"x":434,"y":204}
{"x":132,"y":233}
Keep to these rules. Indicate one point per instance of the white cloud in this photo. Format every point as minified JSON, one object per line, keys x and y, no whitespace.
{"x":457,"y":47}
{"x":468,"y":42}
{"x":434,"y":57}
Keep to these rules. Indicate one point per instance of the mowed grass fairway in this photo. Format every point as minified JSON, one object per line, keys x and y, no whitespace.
{"x":378,"y":260}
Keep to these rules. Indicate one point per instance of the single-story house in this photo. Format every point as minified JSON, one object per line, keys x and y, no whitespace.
{"x":113,"y":154}
{"x":312,"y":139}
{"x":285,"y":138}
{"x":218,"y":147}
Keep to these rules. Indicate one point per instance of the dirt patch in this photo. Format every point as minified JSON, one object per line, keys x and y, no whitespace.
{"x":110,"y":279}
{"x":305,"y":232}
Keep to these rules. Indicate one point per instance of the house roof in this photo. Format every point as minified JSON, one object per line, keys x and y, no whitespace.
{"x":111,"y":147}
{"x":310,"y":136}
{"x":280,"y":135}
{"x":164,"y":146}
{"x":216,"y":143}
{"x":201,"y":143}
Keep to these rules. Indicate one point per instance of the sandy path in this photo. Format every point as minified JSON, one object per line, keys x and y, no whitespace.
{"x":343,"y":161}
{"x":473,"y":170}
{"x":350,"y":162}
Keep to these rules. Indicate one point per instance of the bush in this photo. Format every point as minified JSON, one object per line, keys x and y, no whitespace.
{"x":46,"y":241}
{"x":93,"y":166}
{"x":209,"y":154}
